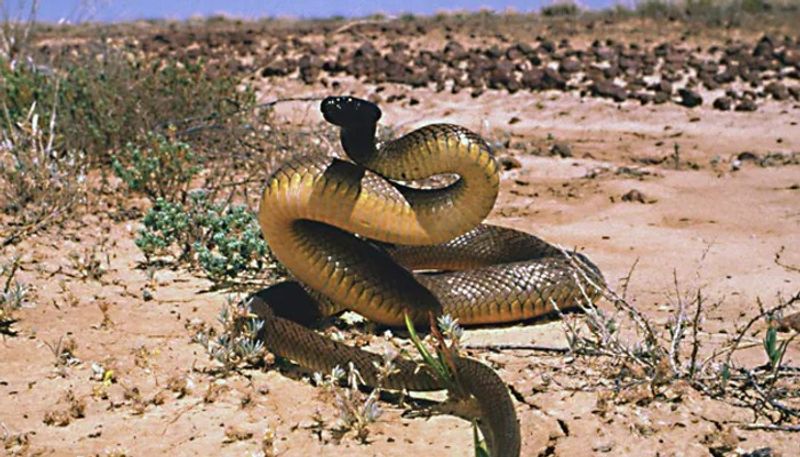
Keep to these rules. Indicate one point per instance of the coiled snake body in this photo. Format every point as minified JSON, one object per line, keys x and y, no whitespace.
{"x":487,"y":274}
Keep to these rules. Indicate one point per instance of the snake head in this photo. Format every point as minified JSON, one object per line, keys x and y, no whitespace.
{"x":350,"y":112}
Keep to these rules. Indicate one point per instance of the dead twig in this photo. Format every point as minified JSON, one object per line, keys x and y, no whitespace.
{"x":518,"y":347}
{"x":771,"y":427}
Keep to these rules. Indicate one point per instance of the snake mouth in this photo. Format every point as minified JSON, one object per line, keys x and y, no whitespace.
{"x":349,"y":112}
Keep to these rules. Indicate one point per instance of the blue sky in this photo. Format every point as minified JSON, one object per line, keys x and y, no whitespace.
{"x":118,"y":10}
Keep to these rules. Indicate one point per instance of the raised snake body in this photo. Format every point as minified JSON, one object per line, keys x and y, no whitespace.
{"x":311,"y":207}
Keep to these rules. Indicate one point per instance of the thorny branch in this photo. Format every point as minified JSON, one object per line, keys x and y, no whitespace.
{"x":716,"y":376}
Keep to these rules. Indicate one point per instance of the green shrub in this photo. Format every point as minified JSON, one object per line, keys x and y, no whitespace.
{"x":159,"y":167}
{"x":166,"y":226}
{"x":224,"y":241}
{"x":109,"y":98}
{"x":560,"y":9}
{"x":22,"y":85}
{"x":233,"y":243}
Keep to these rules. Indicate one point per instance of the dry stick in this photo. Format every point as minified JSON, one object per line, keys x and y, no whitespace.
{"x":627,"y":279}
{"x":695,"y":331}
{"x":765,"y":397}
{"x":612,"y":296}
{"x":518,"y":347}
{"x":784,"y":265}
{"x":14,"y":266}
{"x":771,"y":427}
{"x":677,"y":330}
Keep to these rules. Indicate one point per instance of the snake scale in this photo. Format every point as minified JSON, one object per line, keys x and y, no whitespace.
{"x":352,"y":233}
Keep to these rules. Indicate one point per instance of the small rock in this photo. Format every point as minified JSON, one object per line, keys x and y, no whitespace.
{"x":723,"y":103}
{"x":746,"y":105}
{"x":532,"y":79}
{"x":561,"y":149}
{"x":509,"y":163}
{"x":609,"y":90}
{"x":635,"y":195}
{"x":747,"y":156}
{"x":689,"y":98}
{"x":661,"y":97}
{"x":777,"y":90}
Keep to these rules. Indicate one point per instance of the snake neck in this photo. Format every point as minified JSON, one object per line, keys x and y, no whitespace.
{"x":359,"y":144}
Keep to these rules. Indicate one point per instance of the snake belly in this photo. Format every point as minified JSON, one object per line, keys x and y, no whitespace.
{"x":351,"y":233}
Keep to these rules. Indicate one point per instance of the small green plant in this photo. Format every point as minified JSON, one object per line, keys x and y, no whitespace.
{"x":237,"y":343}
{"x":12,"y":296}
{"x":447,"y":334}
{"x":233,"y":243}
{"x":159,"y":167}
{"x":355,"y":411}
{"x":166,"y":225}
{"x":774,"y":350}
{"x":223,"y":240}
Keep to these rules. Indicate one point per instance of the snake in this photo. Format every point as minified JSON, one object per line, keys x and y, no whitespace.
{"x":357,"y":234}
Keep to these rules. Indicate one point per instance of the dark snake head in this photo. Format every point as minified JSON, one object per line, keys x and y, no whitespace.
{"x":350,"y":112}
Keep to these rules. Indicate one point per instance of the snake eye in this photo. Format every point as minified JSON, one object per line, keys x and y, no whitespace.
{"x":349,"y":111}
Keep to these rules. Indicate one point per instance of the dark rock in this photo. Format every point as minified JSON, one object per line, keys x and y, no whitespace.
{"x":670,"y":75}
{"x":547,"y":46}
{"x":723,"y":103}
{"x":777,"y":90}
{"x":689,"y":98}
{"x":611,"y":72}
{"x":726,"y":76}
{"x":661,"y":97}
{"x":605,"y":54}
{"x":795,"y":92}
{"x":278,"y":67}
{"x":494,"y":53}
{"x":309,"y":68}
{"x":533,"y":79}
{"x":746,"y":105}
{"x":569,"y":65}
{"x":748,"y":156}
{"x":526,"y":49}
{"x":454,"y":51}
{"x":662,"y":86}
{"x":790,"y":57}
{"x":764,"y":47}
{"x":502,"y":75}
{"x":561,"y":149}
{"x":609,"y":90}
{"x":509,"y":163}
{"x":643,"y":97}
{"x":553,"y":79}
{"x":709,"y":83}
{"x":635,"y":195}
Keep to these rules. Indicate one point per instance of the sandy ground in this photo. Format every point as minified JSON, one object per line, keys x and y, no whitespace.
{"x":707,"y":223}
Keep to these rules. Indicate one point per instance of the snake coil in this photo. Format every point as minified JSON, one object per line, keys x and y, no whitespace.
{"x":350,"y":232}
